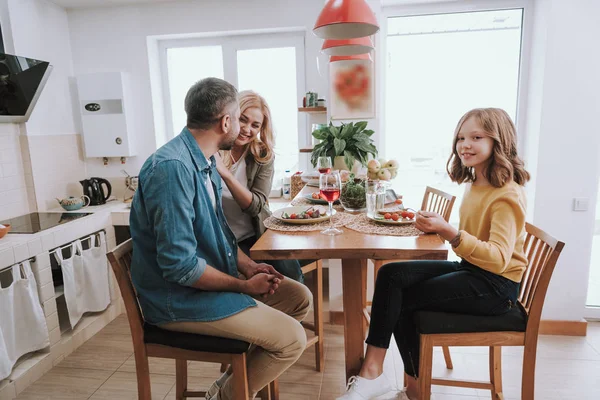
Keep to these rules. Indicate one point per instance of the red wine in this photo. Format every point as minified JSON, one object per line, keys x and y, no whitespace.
{"x":324,"y":170}
{"x":330,"y":194}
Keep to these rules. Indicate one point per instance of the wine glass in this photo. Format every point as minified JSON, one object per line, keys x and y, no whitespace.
{"x":330,"y":185}
{"x":324,"y":165}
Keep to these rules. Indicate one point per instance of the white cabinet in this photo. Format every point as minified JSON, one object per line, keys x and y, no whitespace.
{"x":105,"y":108}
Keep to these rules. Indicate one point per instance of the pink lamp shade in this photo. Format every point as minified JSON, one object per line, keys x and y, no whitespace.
{"x":351,"y":58}
{"x":346,"y":19}
{"x":347,"y":47}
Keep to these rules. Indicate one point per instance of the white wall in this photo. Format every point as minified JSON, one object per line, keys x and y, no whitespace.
{"x":40,"y":30}
{"x":114,"y":39}
{"x":569,"y":142}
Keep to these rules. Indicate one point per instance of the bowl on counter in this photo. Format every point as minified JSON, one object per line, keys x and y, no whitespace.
{"x":4,"y":231}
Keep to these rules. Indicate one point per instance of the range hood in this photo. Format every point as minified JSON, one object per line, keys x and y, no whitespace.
{"x":21,"y":82}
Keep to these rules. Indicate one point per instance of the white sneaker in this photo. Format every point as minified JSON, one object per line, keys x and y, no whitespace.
{"x":366,"y":389}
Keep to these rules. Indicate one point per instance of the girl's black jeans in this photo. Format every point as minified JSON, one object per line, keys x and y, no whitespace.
{"x":454,"y":287}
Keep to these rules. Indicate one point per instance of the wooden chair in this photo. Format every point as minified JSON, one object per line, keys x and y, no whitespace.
{"x":152,"y":341}
{"x":436,"y":201}
{"x":317,"y":327}
{"x":519,"y":327}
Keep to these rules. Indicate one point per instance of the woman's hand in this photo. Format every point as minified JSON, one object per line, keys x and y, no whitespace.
{"x":431,"y":222}
{"x":221,"y":168}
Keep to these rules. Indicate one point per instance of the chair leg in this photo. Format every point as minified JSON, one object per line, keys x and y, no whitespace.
{"x":240,"y":377}
{"x":318,"y":311}
{"x":496,"y":371}
{"x":142,"y":370}
{"x":274,"y":390}
{"x":425,"y":367}
{"x":447,"y":357}
{"x":528,"y":378}
{"x":180,"y":378}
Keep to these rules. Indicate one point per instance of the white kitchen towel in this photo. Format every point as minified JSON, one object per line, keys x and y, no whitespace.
{"x":22,"y":322}
{"x":74,"y":281}
{"x":96,"y":296}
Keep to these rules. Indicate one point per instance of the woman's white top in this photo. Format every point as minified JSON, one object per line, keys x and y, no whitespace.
{"x":239,"y":222}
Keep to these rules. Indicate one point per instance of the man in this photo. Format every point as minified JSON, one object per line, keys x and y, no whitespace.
{"x":186,"y":261}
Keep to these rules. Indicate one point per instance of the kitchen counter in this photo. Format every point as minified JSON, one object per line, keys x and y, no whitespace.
{"x":17,"y":247}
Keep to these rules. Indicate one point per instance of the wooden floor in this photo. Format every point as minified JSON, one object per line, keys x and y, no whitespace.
{"x":103,"y":368}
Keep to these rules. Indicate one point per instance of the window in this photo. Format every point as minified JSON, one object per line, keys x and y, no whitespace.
{"x":437,"y":68}
{"x":271,"y":65}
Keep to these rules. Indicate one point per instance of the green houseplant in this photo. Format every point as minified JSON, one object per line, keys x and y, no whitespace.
{"x":351,"y":141}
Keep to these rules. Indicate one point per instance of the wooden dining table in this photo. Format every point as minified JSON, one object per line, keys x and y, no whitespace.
{"x":354,"y":249}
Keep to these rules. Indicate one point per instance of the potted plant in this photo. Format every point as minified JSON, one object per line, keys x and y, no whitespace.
{"x":346,"y":145}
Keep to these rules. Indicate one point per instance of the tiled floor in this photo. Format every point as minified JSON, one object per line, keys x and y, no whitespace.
{"x":104,"y":368}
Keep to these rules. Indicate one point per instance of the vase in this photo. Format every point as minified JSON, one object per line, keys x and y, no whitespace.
{"x":340,"y":163}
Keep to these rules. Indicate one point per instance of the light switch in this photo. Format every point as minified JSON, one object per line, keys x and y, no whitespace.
{"x":580,"y":204}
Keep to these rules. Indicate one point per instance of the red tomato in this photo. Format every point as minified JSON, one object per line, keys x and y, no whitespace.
{"x":404,"y":214}
{"x":293,"y":216}
{"x":395,"y":217}
{"x":398,"y":201}
{"x":309,"y":213}
{"x":387,"y":216}
{"x":411,"y":215}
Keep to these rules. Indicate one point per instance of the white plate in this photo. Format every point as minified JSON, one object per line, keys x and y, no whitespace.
{"x":391,"y":221}
{"x":297,"y":210}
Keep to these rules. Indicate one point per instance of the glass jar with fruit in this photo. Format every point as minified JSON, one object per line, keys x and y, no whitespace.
{"x":353,"y":195}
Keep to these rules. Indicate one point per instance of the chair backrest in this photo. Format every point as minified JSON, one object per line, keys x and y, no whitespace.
{"x":437,"y":201}
{"x":120,"y":260}
{"x":542,"y":252}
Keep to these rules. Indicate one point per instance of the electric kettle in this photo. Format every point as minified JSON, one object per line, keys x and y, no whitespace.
{"x":93,"y":188}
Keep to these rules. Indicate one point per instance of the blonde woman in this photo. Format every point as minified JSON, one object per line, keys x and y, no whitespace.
{"x":247,"y":170}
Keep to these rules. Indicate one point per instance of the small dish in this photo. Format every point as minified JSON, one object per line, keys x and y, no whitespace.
{"x":401,"y":221}
{"x":4,"y":231}
{"x":299,"y":209}
{"x":319,"y":200}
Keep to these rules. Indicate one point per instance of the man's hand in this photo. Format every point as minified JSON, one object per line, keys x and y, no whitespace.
{"x":252,"y":268}
{"x":431,"y":222}
{"x":261,"y":284}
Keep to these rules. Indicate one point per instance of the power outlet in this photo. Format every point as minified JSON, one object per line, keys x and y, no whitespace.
{"x":580,"y":203}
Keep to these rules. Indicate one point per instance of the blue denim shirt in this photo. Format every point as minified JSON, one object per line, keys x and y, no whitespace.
{"x":176,"y":234}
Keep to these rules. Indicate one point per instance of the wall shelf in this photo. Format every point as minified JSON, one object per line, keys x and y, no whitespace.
{"x":306,"y":150}
{"x":313,"y":110}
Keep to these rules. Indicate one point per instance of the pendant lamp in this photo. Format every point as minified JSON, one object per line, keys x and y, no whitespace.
{"x":346,"y":19}
{"x":347,"y":47}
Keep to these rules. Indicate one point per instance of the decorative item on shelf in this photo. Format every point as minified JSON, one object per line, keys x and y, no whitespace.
{"x":352,"y":88}
{"x":131,"y":182}
{"x":382,"y":170}
{"x":347,"y":47}
{"x":74,"y":203}
{"x":321,"y":103}
{"x":346,"y":19}
{"x":353,"y":196}
{"x":4,"y":229}
{"x":311,"y":99}
{"x":349,"y":145}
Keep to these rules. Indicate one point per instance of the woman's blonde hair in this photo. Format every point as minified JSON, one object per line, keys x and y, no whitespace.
{"x":505,"y":165}
{"x":262,"y":146}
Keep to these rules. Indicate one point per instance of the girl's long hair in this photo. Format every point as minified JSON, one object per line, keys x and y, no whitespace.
{"x":505,"y":164}
{"x":262,"y":146}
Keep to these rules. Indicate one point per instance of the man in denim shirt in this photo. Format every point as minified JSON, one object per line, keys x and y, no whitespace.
{"x":186,"y":261}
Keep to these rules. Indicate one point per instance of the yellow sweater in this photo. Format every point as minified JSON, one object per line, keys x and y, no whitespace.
{"x":492,"y":225}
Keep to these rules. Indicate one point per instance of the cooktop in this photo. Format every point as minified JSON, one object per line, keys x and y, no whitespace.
{"x":37,"y":222}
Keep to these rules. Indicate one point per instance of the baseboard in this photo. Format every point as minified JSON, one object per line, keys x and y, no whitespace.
{"x":565,"y":328}
{"x":547,"y":327}
{"x":336,"y":317}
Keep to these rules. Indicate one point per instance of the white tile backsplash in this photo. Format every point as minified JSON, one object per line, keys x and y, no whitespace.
{"x":57,"y":167}
{"x":14,"y":194}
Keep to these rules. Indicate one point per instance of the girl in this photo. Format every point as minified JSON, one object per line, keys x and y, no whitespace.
{"x":247,"y":170}
{"x":489,"y":242}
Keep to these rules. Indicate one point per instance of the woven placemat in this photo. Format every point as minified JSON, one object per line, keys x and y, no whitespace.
{"x":363,"y":224}
{"x":339,"y":219}
{"x":301,"y":201}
